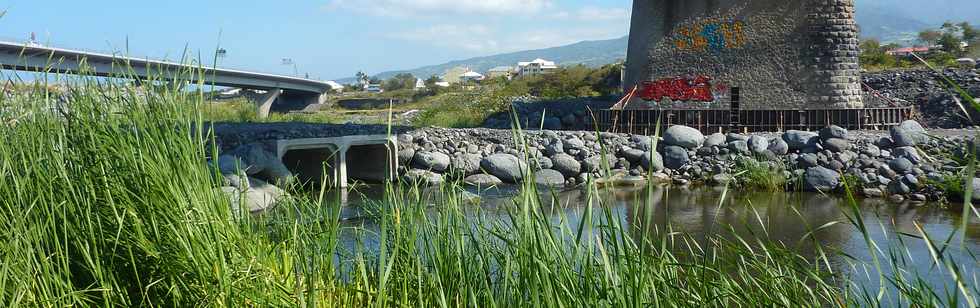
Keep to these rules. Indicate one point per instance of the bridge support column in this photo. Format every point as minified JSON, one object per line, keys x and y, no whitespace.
{"x":265,"y":102}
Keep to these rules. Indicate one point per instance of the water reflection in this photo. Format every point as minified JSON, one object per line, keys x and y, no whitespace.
{"x":799,"y":221}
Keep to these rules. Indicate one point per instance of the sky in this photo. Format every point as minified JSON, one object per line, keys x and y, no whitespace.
{"x":326,"y":38}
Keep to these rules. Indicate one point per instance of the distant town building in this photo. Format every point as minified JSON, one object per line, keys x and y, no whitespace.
{"x":444,"y":84}
{"x":907,"y":51}
{"x":471,"y":76}
{"x":536,"y":67}
{"x":374,"y":88}
{"x":419,"y":84}
{"x":454,"y":75}
{"x":500,"y":71}
{"x":336,"y":87}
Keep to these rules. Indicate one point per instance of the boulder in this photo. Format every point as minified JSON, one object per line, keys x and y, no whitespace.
{"x":675,"y":157}
{"x":721,"y":179}
{"x":549,"y":177}
{"x":566,"y":164}
{"x":652,"y":161}
{"x":574,"y":143}
{"x":736,"y":137}
{"x":715,"y":140}
{"x":544,"y":163}
{"x":901,"y":165}
{"x":832,"y":132}
{"x":505,"y":166}
{"x":738,"y":146}
{"x":405,"y":156}
{"x":633,"y":155}
{"x":466,"y":163}
{"x":683,"y":136}
{"x":257,"y":197}
{"x":779,"y":147}
{"x":555,"y":147}
{"x":820,"y":179}
{"x":482,"y":180}
{"x":423,"y":177}
{"x":909,"y":133}
{"x":837,"y":145}
{"x":799,"y":140}
{"x":758,"y":144}
{"x":434,"y":161}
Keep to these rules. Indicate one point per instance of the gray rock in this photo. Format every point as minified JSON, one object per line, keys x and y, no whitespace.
{"x":423,"y":177}
{"x":738,"y":146}
{"x":729,"y":137}
{"x":482,"y":180}
{"x":715,"y":140}
{"x":574,"y":143}
{"x":652,"y":161}
{"x":683,"y":136}
{"x":779,"y":147}
{"x":901,"y":165}
{"x":909,"y":133}
{"x":554,"y":147}
{"x":258,"y":197}
{"x":434,"y":161}
{"x":820,"y":179}
{"x":832,"y":132}
{"x":908,"y":152}
{"x":566,"y":164}
{"x":466,"y":163}
{"x":405,"y":140}
{"x":871,"y":150}
{"x":911,"y":181}
{"x":594,"y":163}
{"x":898,"y":188}
{"x":976,"y":190}
{"x":885,"y":143}
{"x":799,"y":140}
{"x":549,"y":177}
{"x":837,"y":144}
{"x":808,"y":161}
{"x":758,"y":144}
{"x":405,"y":156}
{"x":634,"y":155}
{"x":505,"y":167}
{"x":675,"y":157}
{"x":873,"y":193}
{"x":544,"y":163}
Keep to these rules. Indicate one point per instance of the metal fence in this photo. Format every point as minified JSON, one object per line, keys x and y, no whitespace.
{"x":721,"y":120}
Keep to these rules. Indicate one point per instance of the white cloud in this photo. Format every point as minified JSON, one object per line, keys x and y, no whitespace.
{"x":428,"y":7}
{"x":591,"y":13}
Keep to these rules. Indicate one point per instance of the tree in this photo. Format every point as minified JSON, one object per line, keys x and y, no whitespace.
{"x":399,"y":81}
{"x":362,"y":77}
{"x":431,"y":81}
{"x":929,"y":37}
{"x":873,"y":54}
{"x":951,"y":43}
{"x":970,"y":34}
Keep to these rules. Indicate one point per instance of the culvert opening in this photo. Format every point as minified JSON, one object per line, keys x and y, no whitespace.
{"x":312,"y":166}
{"x":372,"y":163}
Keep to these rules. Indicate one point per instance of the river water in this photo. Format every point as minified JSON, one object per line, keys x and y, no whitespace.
{"x":802,"y":221}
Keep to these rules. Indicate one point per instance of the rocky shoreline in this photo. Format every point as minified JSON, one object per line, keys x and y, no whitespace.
{"x":902,"y":164}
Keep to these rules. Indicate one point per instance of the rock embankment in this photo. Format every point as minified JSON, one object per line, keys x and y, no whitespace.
{"x":903,"y":163}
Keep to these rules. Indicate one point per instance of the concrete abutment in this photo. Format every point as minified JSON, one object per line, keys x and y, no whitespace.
{"x":340,"y":160}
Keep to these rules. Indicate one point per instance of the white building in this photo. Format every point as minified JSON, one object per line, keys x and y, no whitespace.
{"x":336,"y":87}
{"x":419,"y":84}
{"x":471,"y":76}
{"x":500,"y":71}
{"x":538,"y":66}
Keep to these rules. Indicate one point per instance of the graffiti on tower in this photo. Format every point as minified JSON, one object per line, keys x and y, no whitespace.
{"x":696,"y":89}
{"x":713,"y":36}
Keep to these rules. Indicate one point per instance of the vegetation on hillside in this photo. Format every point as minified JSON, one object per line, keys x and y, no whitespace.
{"x":948,"y":38}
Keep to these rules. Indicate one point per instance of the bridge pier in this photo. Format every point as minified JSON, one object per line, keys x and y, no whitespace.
{"x":266,"y":100}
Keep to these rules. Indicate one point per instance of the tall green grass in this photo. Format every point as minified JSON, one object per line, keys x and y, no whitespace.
{"x":108,"y":200}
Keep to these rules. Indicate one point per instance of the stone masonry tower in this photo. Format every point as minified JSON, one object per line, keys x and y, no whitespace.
{"x":782,"y":54}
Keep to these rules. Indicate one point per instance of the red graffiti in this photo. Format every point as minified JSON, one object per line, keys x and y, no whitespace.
{"x":678,"y":89}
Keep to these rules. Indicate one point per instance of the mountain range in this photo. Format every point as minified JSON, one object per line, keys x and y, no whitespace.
{"x":887,"y":20}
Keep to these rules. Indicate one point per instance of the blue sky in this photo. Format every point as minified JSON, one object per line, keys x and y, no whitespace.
{"x":326,"y":38}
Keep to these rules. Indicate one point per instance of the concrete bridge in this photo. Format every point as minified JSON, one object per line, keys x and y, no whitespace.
{"x":280,"y":90}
